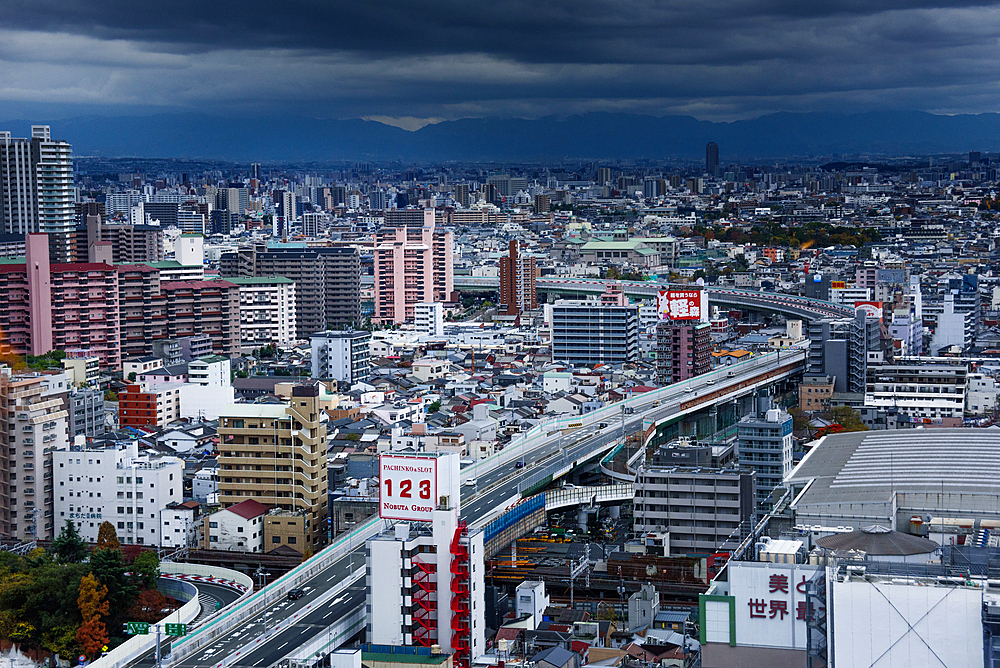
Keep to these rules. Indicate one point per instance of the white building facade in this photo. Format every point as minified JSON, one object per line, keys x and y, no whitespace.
{"x":115,"y":485}
{"x":267,"y":311}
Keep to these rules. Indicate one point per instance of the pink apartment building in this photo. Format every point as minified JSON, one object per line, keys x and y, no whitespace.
{"x":413,"y":264}
{"x":59,"y":306}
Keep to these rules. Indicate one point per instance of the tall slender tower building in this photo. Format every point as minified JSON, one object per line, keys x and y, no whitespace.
{"x":711,"y":157}
{"x":36,"y":189}
{"x":517,"y":283}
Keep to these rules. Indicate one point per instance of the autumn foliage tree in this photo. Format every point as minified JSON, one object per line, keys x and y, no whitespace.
{"x":107,"y":537}
{"x":92,"y":634}
{"x":148,"y":606}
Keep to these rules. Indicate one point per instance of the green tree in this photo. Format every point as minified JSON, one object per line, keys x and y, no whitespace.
{"x":107,"y":537}
{"x":799,"y":419}
{"x":146,"y":569}
{"x":109,"y":567}
{"x":69,"y":547}
{"x":434,"y":407}
{"x":131,"y":376}
{"x":848,"y":418}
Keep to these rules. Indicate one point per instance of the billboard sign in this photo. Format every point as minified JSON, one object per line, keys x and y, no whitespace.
{"x":771,"y":604}
{"x":872,"y":309}
{"x":679,"y":304}
{"x":838,"y":285}
{"x":407,"y":488}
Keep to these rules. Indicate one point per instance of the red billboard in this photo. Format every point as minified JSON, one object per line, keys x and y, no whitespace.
{"x":873,"y":309}
{"x":680,"y":304}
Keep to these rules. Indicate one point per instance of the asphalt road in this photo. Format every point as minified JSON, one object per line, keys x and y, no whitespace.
{"x":311,"y":622}
{"x":208,"y":594}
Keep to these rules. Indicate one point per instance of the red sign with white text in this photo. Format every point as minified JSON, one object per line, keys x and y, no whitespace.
{"x":407,"y":488}
{"x":679,"y":304}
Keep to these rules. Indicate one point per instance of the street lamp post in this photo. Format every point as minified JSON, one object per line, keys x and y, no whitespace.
{"x":262,"y":576}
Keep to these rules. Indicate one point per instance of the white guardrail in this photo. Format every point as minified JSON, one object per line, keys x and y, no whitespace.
{"x":208,"y":633}
{"x":196,"y":573}
{"x":136,"y":646}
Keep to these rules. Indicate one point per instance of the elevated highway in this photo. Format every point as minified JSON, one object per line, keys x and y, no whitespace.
{"x":265,"y":628}
{"x":787,"y":305}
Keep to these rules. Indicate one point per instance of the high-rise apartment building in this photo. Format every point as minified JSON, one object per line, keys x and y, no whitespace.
{"x":838,"y":347}
{"x":267,"y":311}
{"x":413,"y":264}
{"x":36,"y":189}
{"x":72,"y":307}
{"x":97,"y":241}
{"x":33,"y":422}
{"x":517,"y":282}
{"x":542,"y":203}
{"x":683,"y":350}
{"x":603,"y":176}
{"x":764,"y":444}
{"x":276,"y":454}
{"x":462,"y":196}
{"x":587,"y":333}
{"x":205,"y":307}
{"x":285,"y":214}
{"x":233,"y":200}
{"x":711,"y":157}
{"x":327,"y":281}
{"x":341,"y":355}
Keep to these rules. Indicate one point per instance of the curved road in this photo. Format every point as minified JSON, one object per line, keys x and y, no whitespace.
{"x":208,"y":594}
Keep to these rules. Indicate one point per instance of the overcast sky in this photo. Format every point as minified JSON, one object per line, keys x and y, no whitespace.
{"x":448,"y":59}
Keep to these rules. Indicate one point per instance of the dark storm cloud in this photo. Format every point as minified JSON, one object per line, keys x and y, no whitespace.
{"x":717,"y":58}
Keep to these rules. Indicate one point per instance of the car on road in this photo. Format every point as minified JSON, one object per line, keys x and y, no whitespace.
{"x":519,"y":464}
{"x":295,"y":594}
{"x":470,"y":482}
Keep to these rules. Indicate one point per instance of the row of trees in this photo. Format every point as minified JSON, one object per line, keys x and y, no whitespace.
{"x":73,"y":600}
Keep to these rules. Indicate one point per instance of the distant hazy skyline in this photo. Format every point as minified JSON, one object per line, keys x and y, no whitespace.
{"x":408,"y":63}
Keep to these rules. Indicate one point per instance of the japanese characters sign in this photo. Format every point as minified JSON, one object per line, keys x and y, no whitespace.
{"x":771,"y":603}
{"x":680,"y":304}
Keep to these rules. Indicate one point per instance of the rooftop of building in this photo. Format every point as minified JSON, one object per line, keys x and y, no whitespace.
{"x":878,"y":540}
{"x":253,"y":411}
{"x":249,"y":509}
{"x":870,"y":466}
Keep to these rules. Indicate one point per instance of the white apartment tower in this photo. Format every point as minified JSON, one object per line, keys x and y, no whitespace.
{"x":426,"y":579}
{"x":428,"y":318}
{"x":36,"y":188}
{"x":267,"y":311}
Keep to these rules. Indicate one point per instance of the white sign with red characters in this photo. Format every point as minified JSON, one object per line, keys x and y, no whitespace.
{"x":771,"y":603}
{"x":408,"y":488}
{"x":680,"y":304}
